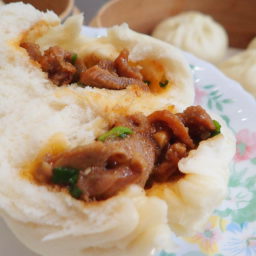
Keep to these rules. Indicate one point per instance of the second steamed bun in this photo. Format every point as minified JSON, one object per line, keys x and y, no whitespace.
{"x":196,"y":33}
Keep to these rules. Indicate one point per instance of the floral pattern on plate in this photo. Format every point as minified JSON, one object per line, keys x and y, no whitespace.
{"x":231,"y":231}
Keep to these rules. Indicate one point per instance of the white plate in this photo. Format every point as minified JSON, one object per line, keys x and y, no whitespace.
{"x":231,"y":230}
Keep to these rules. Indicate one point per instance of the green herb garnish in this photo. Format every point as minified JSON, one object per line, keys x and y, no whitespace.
{"x":67,"y":176}
{"x":119,"y":131}
{"x":217,"y":128}
{"x":74,"y":58}
{"x":163,"y":83}
{"x":74,"y":179}
{"x":147,"y":82}
{"x":75,"y":191}
{"x":64,"y":175}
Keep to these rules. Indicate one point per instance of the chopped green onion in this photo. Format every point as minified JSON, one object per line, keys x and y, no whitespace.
{"x":163,"y":83}
{"x":147,"y":82}
{"x":73,"y":180}
{"x":67,"y":176}
{"x":119,"y":131}
{"x":64,"y":175}
{"x":75,"y":191}
{"x":217,"y":128}
{"x":74,"y":58}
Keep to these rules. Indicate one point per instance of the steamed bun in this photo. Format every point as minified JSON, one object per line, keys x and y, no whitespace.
{"x":242,"y":68}
{"x":196,"y":33}
{"x":33,"y":112}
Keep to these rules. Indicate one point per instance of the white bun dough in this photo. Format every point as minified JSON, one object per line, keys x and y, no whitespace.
{"x":196,"y":33}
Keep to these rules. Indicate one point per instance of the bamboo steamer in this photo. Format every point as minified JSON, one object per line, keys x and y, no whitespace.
{"x":63,"y":8}
{"x":237,"y":17}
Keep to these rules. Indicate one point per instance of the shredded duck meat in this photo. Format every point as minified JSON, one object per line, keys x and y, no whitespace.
{"x":137,"y":150}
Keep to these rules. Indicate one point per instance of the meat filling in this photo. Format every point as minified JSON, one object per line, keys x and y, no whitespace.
{"x":198,"y":121}
{"x":137,"y":150}
{"x":64,"y":68}
{"x":174,"y":123}
{"x":124,"y":69}
{"x":58,"y":64}
{"x":33,"y":51}
{"x":102,"y":78}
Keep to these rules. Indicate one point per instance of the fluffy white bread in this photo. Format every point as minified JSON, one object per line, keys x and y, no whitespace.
{"x":252,"y":44}
{"x":141,"y":47}
{"x":192,"y":199}
{"x":242,"y":68}
{"x":196,"y":33}
{"x":32,"y":111}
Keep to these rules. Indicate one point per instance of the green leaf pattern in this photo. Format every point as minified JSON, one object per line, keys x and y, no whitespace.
{"x":215,"y":96}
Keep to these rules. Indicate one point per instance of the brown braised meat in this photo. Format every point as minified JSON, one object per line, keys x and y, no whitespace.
{"x":80,"y":67}
{"x":102,"y":78}
{"x":168,"y":168}
{"x":124,"y":68}
{"x":64,"y":68}
{"x":174,"y":123}
{"x":109,"y":167}
{"x":33,"y":50}
{"x":198,"y":121}
{"x":174,"y":143}
{"x":112,"y":166}
{"x":115,"y":75}
{"x":57,"y":63}
{"x":176,"y":135}
{"x":137,"y":150}
{"x":137,"y":122}
{"x":108,"y":65}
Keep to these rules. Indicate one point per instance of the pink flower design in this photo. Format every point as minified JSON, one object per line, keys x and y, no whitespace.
{"x":199,"y":95}
{"x":211,"y":235}
{"x":245,"y":145}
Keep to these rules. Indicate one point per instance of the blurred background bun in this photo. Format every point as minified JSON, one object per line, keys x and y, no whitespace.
{"x":237,"y":17}
{"x":196,"y":33}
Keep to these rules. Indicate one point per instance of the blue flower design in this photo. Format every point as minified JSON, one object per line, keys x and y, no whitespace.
{"x":163,"y":253}
{"x":240,"y":239}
